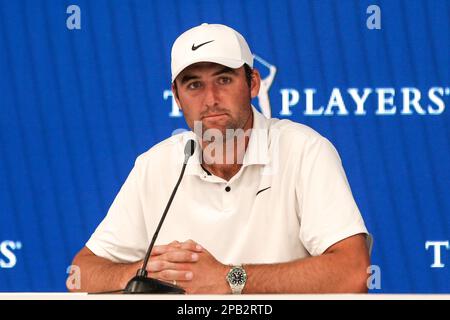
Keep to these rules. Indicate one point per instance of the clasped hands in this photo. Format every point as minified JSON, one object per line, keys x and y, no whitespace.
{"x":190,"y":266}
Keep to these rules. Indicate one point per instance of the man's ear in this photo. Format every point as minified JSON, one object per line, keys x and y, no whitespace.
{"x":175,"y":95}
{"x":255,"y":83}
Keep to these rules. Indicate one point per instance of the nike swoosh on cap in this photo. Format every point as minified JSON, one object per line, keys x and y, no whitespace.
{"x":194,"y":47}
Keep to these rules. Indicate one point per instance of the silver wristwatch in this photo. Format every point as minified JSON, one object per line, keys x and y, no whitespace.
{"x":236,"y":278}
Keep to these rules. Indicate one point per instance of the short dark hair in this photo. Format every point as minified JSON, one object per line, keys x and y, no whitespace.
{"x":248,"y":74}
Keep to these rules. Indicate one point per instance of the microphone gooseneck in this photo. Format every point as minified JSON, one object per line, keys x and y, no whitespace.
{"x":141,"y":283}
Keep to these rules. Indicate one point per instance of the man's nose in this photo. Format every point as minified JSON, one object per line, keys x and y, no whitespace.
{"x":211,"y":97}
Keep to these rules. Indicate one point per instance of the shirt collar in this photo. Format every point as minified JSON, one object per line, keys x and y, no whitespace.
{"x":258,"y":146}
{"x":194,"y":164}
{"x":257,"y":149}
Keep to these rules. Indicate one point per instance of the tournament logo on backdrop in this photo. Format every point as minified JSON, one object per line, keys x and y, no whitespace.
{"x":438,"y":249}
{"x":8,"y":257}
{"x":266,"y":82}
{"x":382,"y":101}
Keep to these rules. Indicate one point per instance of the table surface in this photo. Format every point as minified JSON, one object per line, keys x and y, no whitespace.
{"x":86,"y":296}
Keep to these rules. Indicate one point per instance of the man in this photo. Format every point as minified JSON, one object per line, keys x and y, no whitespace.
{"x":266,"y":210}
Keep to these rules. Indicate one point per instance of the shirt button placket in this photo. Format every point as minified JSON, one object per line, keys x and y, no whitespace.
{"x":228,"y":198}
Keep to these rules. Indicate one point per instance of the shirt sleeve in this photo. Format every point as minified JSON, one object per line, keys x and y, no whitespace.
{"x":328,"y":213}
{"x":121,"y":236}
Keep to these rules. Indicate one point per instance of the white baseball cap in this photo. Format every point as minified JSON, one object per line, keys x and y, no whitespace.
{"x":210,"y":43}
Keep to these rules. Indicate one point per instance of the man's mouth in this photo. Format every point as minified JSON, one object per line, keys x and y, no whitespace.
{"x":215,"y":115}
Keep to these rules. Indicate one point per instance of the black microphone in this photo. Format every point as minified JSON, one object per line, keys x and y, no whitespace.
{"x":141,"y":283}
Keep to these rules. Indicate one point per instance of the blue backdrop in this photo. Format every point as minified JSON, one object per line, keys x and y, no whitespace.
{"x":82,"y":94}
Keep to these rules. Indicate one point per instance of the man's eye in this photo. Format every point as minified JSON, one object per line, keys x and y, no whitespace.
{"x":224,"y":80}
{"x":194,"y":85}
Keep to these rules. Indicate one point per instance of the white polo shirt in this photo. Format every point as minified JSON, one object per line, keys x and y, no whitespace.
{"x":289,"y":200}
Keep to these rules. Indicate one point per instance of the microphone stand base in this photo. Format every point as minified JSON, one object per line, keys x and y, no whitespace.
{"x":143,"y":285}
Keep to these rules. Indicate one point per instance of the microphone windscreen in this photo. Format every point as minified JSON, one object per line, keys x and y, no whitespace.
{"x":189,"y":148}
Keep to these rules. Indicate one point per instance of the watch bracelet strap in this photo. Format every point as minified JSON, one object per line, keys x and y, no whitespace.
{"x":237,"y":290}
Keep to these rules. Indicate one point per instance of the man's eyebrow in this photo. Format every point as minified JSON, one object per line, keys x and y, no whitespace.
{"x":225,"y":70}
{"x":187,"y":78}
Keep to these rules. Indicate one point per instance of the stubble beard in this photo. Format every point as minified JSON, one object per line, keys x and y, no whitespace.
{"x":219,"y":143}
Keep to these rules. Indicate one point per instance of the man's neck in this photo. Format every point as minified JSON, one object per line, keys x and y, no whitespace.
{"x":227,"y":164}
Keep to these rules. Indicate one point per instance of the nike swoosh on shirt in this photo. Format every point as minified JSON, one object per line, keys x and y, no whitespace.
{"x":262,"y":190}
{"x":194,"y":47}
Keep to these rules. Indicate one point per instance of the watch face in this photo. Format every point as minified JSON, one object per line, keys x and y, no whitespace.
{"x":237,"y":276}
